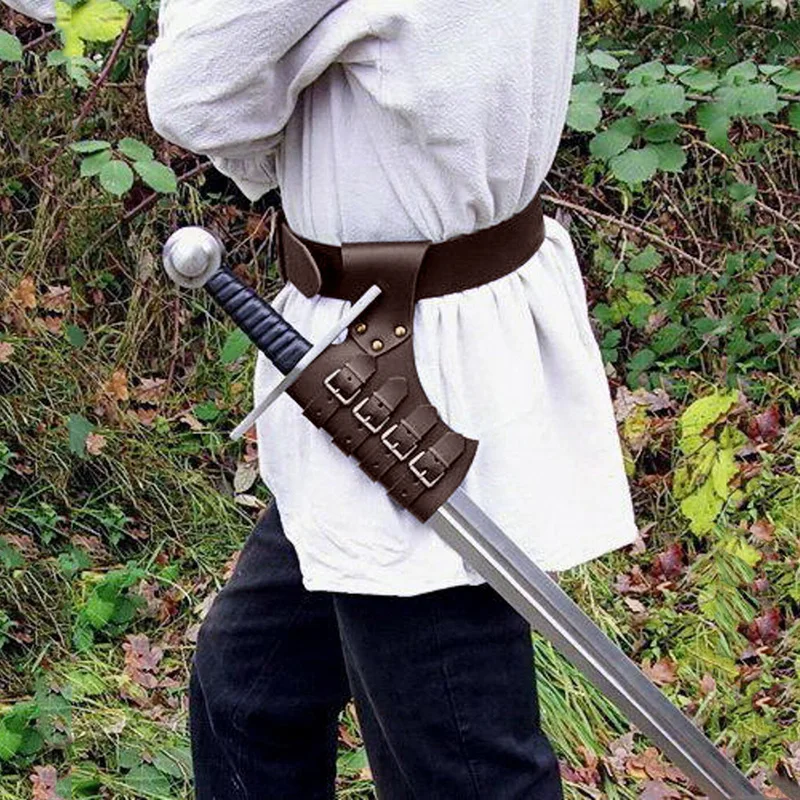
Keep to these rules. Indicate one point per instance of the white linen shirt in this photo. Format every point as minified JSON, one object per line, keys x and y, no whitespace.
{"x":402,"y":120}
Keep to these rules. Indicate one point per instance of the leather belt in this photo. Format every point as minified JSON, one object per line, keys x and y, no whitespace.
{"x":365,"y":392}
{"x":453,"y":265}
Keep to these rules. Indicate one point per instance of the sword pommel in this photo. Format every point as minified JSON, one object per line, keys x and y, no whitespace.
{"x":191,"y":256}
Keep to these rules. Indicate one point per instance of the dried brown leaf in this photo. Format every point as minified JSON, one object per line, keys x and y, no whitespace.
{"x":117,"y":385}
{"x":669,"y":563}
{"x":707,"y":684}
{"x":763,"y":530}
{"x":57,"y":298}
{"x":141,"y":660}
{"x":658,"y":790}
{"x":765,"y":628}
{"x":95,"y":442}
{"x":150,"y":390}
{"x":24,"y":295}
{"x":766,"y":426}
{"x":662,"y":673}
{"x":44,"y":781}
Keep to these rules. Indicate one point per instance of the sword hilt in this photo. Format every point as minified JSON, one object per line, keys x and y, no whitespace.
{"x":193,"y":259}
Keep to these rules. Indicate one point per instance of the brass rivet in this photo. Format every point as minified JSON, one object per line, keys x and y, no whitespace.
{"x":361,"y":327}
{"x":400,"y":330}
{"x":377,"y":344}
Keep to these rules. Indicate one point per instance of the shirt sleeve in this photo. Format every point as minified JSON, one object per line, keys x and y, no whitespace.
{"x":225,"y":75}
{"x":43,"y":10}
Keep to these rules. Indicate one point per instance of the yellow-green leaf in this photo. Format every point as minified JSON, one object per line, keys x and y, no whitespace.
{"x":702,"y":413}
{"x":723,"y":470}
{"x":742,"y":550}
{"x":92,"y":21}
{"x":702,"y":508}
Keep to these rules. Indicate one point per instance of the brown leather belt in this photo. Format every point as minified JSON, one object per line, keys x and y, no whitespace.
{"x":365,"y":391}
{"x":453,"y":265}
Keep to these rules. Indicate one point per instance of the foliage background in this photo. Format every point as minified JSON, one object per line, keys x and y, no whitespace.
{"x":122,"y":504}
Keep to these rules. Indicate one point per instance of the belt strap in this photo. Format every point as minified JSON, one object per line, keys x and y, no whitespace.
{"x":452,"y":265}
{"x":365,"y":391}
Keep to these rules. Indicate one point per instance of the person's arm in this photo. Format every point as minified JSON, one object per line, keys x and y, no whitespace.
{"x":225,"y":75}
{"x":43,"y":10}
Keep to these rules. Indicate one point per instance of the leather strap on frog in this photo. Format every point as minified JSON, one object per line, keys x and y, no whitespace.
{"x":365,"y":391}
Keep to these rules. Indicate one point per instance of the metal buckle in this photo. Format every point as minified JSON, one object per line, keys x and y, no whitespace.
{"x":393,"y":447}
{"x":422,"y":474}
{"x":345,"y":401}
{"x":366,"y":419}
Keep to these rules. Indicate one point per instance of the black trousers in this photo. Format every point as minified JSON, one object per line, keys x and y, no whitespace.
{"x":443,"y":683}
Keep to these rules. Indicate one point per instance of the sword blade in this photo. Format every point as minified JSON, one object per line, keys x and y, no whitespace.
{"x":551,"y":612}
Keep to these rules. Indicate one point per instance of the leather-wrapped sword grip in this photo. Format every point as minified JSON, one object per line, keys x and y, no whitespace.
{"x":264,"y":326}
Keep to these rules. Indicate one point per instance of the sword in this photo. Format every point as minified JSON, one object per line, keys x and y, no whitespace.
{"x":193,"y":258}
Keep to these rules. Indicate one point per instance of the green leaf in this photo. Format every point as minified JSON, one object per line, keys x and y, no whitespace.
{"x":628,"y":125}
{"x":128,"y":757}
{"x":136,"y":150}
{"x":91,"y":165}
{"x":116,"y":177}
{"x":794,"y":116}
{"x":645,"y":261}
{"x":715,"y":119}
{"x":743,"y":72}
{"x":603,"y":60}
{"x":609,"y":143}
{"x":89,"y":146}
{"x":668,"y":339}
{"x":581,"y":64}
{"x":98,"y":611}
{"x":85,"y":684}
{"x":757,"y":99}
{"x":167,"y":764}
{"x":235,"y":346}
{"x":646,"y":73}
{"x":10,"y":47}
{"x":148,"y":781}
{"x":157,"y":176}
{"x":665,"y":130}
{"x":641,"y":361}
{"x":700,"y":80}
{"x":75,"y":336}
{"x":584,"y":112}
{"x":635,"y":166}
{"x":10,"y":742}
{"x":206,"y":412}
{"x":79,"y":428}
{"x":650,"y":102}
{"x":742,"y":192}
{"x":788,"y":79}
{"x":651,"y":6}
{"x":671,"y":156}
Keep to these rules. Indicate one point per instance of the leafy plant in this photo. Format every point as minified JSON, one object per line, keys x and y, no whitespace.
{"x":81,"y":21}
{"x":109,"y":606}
{"x":114,"y":168}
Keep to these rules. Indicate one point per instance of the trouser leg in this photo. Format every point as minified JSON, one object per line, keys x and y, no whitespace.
{"x":268,"y":681}
{"x":445,"y":686}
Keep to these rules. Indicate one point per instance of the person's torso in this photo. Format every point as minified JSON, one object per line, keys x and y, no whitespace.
{"x":443,"y":121}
